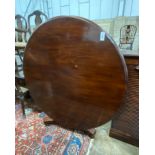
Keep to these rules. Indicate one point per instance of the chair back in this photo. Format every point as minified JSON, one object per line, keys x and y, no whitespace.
{"x":20,"y":29}
{"x":39,"y":18}
{"x":127,"y":35}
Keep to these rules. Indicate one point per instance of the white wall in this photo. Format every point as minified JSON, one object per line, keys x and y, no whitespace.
{"x":91,"y":9}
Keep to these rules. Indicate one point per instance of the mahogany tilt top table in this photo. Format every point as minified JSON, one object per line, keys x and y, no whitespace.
{"x":75,"y":72}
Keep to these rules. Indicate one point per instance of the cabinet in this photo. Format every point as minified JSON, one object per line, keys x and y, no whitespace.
{"x":125,"y":124}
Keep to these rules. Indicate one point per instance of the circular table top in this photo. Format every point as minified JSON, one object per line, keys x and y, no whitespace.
{"x":75,"y":72}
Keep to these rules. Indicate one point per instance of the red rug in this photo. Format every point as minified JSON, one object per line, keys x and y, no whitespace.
{"x":34,"y":138}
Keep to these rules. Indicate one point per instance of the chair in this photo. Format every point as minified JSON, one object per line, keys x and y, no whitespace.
{"x":39,"y":18}
{"x":127,"y":35}
{"x":22,"y":94}
{"x":20,"y":41}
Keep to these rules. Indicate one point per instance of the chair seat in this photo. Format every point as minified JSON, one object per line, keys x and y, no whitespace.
{"x":19,"y":45}
{"x":24,"y":90}
{"x":125,"y":41}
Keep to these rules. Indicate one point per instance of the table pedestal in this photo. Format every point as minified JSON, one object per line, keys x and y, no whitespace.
{"x":90,"y":132}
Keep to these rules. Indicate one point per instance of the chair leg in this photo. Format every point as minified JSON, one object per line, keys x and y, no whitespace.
{"x":19,"y":54}
{"x":16,"y":68}
{"x":23,"y":107}
{"x":131,"y":47}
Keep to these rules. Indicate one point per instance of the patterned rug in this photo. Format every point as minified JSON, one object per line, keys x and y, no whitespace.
{"x":34,"y":138}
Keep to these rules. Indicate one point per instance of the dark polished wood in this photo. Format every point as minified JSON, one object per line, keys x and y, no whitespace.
{"x":77,"y":79}
{"x":125,"y":124}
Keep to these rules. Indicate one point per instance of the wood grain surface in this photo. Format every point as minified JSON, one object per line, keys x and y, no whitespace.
{"x":75,"y":73}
